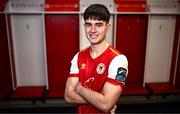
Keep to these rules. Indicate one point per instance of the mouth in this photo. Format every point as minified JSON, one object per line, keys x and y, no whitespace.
{"x":93,"y":36}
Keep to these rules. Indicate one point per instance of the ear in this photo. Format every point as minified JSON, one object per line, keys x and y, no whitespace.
{"x":108,"y":26}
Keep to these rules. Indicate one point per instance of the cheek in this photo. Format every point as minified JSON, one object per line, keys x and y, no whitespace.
{"x":87,"y":30}
{"x":102,"y":31}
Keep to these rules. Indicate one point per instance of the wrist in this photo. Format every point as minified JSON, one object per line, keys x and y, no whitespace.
{"x":79,"y":88}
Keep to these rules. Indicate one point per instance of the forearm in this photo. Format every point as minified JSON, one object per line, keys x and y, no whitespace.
{"x":74,"y":98}
{"x":97,"y":99}
{"x":70,"y":92}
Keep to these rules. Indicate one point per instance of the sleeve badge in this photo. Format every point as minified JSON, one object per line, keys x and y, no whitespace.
{"x":121,"y":74}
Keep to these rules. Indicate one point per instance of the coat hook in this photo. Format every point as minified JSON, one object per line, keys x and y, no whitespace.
{"x":160,"y":27}
{"x":27,"y":26}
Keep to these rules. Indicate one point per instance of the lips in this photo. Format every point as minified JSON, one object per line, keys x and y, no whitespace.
{"x":93,"y":36}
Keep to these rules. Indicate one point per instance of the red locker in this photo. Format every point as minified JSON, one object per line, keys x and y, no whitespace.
{"x":5,"y":72}
{"x":2,"y":4}
{"x":131,"y":41}
{"x":62,"y":33}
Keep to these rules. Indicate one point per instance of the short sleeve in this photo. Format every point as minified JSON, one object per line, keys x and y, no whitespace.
{"x":74,"y":65}
{"x":118,"y":69}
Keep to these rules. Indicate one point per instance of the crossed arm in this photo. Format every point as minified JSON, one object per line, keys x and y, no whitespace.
{"x":105,"y":100}
{"x":71,"y":96}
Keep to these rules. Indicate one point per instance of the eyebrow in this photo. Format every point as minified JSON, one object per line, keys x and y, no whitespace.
{"x":87,"y":23}
{"x":95,"y":23}
{"x":99,"y":23}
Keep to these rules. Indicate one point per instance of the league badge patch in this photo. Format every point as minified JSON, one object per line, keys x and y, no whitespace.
{"x":100,"y":68}
{"x":121,"y":74}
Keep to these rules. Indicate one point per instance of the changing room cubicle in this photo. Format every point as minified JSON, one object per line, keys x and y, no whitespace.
{"x":162,"y":47}
{"x":26,"y":42}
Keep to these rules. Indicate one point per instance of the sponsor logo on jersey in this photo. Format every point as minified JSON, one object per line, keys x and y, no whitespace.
{"x":121,"y":74}
{"x":83,"y":66}
{"x":100,"y":68}
{"x":88,"y":83}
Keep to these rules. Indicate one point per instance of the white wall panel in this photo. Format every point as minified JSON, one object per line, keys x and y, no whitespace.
{"x":28,"y":41}
{"x":159,"y":48}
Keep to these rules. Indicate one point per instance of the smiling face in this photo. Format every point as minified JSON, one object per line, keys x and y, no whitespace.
{"x":96,"y":30}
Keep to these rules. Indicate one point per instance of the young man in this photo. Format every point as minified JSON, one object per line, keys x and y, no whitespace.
{"x":97,"y":73}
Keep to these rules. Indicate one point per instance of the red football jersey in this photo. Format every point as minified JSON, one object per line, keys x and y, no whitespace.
{"x":110,"y":66}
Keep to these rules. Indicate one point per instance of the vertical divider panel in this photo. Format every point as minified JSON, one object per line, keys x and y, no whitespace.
{"x":11,"y":52}
{"x":45,"y":51}
{"x":177,"y":73}
{"x":5,"y":72}
{"x":177,"y":79}
{"x":174,"y":61}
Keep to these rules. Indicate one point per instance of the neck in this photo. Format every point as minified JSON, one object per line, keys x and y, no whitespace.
{"x":98,"y":49}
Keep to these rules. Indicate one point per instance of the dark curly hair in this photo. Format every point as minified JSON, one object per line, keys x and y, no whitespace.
{"x":97,"y":12}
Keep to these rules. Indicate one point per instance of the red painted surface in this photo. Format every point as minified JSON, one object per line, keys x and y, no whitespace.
{"x":135,"y":89}
{"x":177,"y":79}
{"x":62,"y":32}
{"x":175,"y":52}
{"x":131,"y":5}
{"x":28,"y":92}
{"x":62,"y":5}
{"x":162,"y":88}
{"x":3,"y":4}
{"x":131,"y":41}
{"x":5,"y":72}
{"x":176,"y":56}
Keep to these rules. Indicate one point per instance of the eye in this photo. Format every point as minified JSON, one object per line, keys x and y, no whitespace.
{"x":99,"y":25}
{"x":87,"y":25}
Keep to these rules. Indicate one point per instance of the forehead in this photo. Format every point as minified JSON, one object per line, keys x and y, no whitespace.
{"x":94,"y":21}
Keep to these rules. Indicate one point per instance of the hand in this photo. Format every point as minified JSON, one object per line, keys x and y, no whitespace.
{"x":79,"y":88}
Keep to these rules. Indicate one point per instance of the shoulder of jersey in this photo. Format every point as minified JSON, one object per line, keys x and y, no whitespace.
{"x":116,"y":52}
{"x":85,"y":49}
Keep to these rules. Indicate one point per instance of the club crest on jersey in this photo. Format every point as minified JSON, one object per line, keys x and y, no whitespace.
{"x":100,"y":68}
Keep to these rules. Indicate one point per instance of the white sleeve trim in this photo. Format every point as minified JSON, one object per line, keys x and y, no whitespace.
{"x":74,"y":65}
{"x":118,"y":61}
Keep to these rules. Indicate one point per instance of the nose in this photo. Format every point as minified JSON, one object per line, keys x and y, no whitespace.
{"x":93,"y":28}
